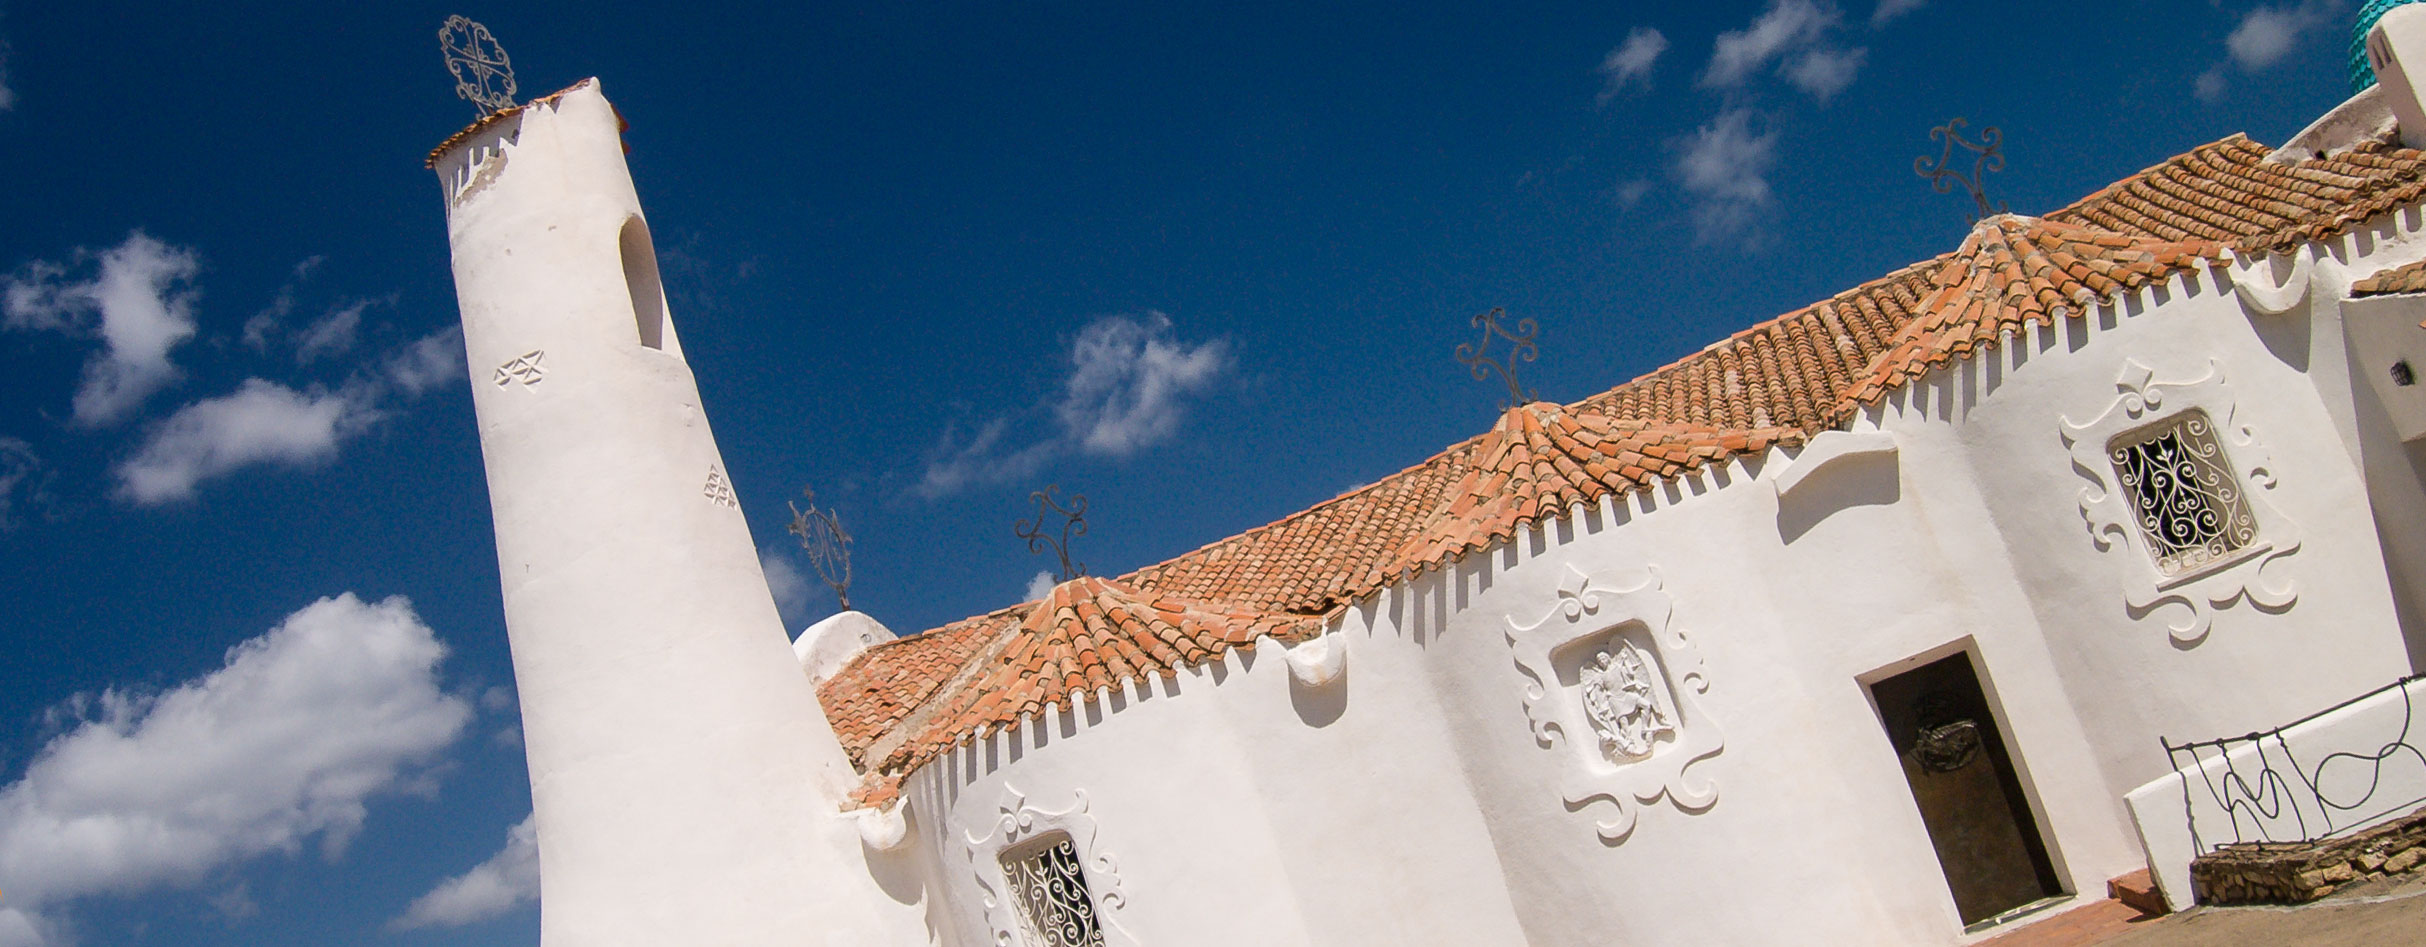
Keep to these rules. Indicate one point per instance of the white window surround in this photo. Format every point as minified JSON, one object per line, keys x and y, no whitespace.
{"x":1599,"y":614}
{"x":1021,"y":823}
{"x":2254,"y":571}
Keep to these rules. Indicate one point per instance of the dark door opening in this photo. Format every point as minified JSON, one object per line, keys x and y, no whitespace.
{"x":1963,"y":779}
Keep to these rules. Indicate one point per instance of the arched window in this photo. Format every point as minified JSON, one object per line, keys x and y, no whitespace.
{"x":640,"y":279}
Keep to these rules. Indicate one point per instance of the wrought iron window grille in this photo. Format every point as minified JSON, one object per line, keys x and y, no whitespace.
{"x":1050,"y":889}
{"x":2184,"y":494}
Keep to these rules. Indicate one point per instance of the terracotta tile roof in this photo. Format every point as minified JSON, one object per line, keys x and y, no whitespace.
{"x":1776,"y":383}
{"x":501,"y":115}
{"x":2013,"y":270}
{"x":1088,"y":635}
{"x":2227,"y":191}
{"x":2399,"y":279}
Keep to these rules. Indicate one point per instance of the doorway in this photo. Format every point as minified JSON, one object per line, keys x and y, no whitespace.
{"x":1962,"y":777}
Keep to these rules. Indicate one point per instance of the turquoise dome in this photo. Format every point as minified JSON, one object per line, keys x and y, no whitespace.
{"x":2361,"y":74}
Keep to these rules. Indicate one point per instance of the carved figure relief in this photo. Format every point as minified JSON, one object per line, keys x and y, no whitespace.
{"x":718,"y":490}
{"x":2175,"y":472}
{"x":1043,"y":879}
{"x":524,"y":368}
{"x":1625,"y":709}
{"x":1612,"y":692}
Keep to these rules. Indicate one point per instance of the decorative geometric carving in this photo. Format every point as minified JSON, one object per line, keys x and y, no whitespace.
{"x":719,"y":491}
{"x":524,"y":368}
{"x":1613,"y":691}
{"x":2161,"y":474}
{"x":1007,"y":900}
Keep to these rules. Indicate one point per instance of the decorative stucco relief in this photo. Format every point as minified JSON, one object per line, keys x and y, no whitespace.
{"x":718,"y":490}
{"x":1020,"y":821}
{"x":2190,"y":589}
{"x":528,"y":369}
{"x":1613,"y":691}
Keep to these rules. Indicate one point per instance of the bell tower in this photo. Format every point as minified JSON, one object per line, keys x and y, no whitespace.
{"x":685,"y":781}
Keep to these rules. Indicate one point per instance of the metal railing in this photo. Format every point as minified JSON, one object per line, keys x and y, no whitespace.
{"x":2268,"y":794}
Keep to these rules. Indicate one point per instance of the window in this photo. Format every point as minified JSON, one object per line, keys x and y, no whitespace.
{"x":1050,"y":892}
{"x":2183,"y":492}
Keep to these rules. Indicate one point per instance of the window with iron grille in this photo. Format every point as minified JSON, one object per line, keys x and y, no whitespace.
{"x":2183,"y":493}
{"x":1051,"y":892}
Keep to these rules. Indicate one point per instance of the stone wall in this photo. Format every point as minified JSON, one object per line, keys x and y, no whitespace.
{"x":2294,"y":872}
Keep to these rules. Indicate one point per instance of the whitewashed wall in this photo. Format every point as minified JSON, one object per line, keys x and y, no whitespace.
{"x":1411,"y":801}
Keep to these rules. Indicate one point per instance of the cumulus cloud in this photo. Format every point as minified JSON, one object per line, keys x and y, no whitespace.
{"x":2264,"y":37}
{"x":261,"y":422}
{"x":1822,"y":73}
{"x":1786,"y":26}
{"x":1631,"y":61}
{"x":1888,"y":10}
{"x":139,"y":301}
{"x":509,"y":878}
{"x":24,"y":481}
{"x":1041,"y":585}
{"x":283,"y":746}
{"x":2267,"y":34}
{"x":789,"y":585}
{"x":264,"y":423}
{"x":1724,"y":166}
{"x":433,"y":360}
{"x":1131,"y":380}
{"x":331,"y":334}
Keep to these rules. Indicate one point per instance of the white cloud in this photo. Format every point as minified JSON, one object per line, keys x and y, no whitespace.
{"x":2267,"y":34}
{"x":1130,"y":380}
{"x":1787,"y":25}
{"x":1724,"y":166}
{"x":1040,"y":586}
{"x":8,"y":100}
{"x":433,"y":360}
{"x":1633,"y":192}
{"x":789,"y":585}
{"x":490,"y":889}
{"x":141,"y":304}
{"x":1822,"y":73}
{"x":283,"y":745}
{"x":1631,"y":61}
{"x":1129,"y":386}
{"x":1888,"y":10}
{"x":261,"y":422}
{"x":331,"y":334}
{"x":24,"y":481}
{"x":2212,"y":84}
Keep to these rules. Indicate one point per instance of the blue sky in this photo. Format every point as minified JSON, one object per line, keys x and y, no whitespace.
{"x":1204,"y":264}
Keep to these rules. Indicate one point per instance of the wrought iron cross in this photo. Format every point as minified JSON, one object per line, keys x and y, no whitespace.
{"x":1073,"y":523}
{"x":483,"y":74}
{"x":829,"y":547}
{"x":1988,"y":154}
{"x":1477,"y":359}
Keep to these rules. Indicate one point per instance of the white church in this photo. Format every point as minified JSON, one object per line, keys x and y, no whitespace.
{"x":1864,"y":625}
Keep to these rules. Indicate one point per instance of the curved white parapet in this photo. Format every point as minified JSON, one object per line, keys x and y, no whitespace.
{"x":1830,"y":447}
{"x":2254,"y":280}
{"x":828,"y":645}
{"x":1317,"y":662}
{"x":882,"y":830}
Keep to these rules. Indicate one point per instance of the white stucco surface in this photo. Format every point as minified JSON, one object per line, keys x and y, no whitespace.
{"x":684,"y":780}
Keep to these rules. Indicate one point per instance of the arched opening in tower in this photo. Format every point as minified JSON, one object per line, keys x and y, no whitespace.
{"x":640,"y":279}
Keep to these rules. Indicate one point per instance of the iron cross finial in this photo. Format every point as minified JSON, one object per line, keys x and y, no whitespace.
{"x":829,"y":547}
{"x":1988,"y":154}
{"x":1522,"y":348}
{"x":1074,"y":523}
{"x":483,"y":74}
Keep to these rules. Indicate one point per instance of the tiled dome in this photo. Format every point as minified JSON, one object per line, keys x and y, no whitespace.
{"x":2361,"y":74}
